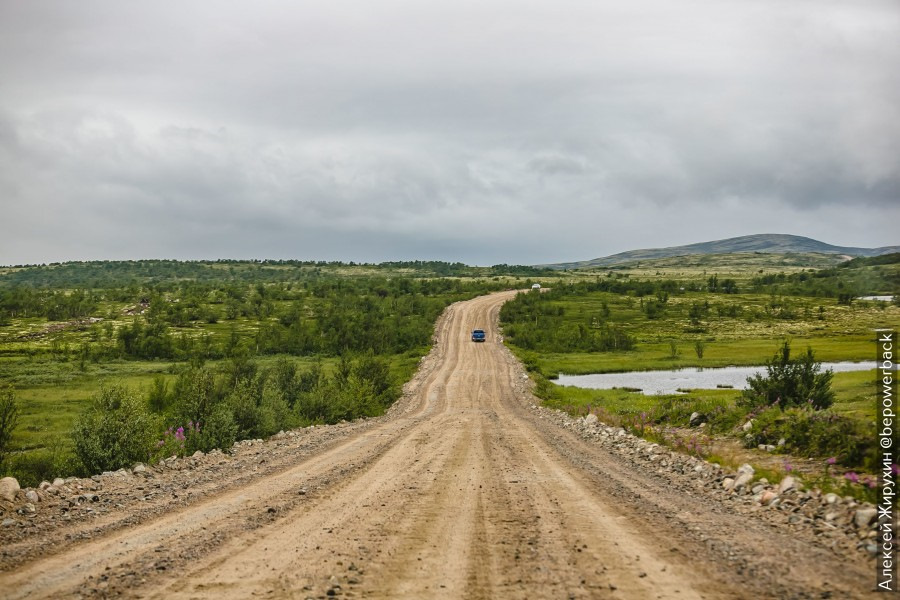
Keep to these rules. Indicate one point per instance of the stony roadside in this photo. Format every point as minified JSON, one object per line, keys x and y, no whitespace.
{"x":36,"y":521}
{"x":40,"y":521}
{"x":846,"y":526}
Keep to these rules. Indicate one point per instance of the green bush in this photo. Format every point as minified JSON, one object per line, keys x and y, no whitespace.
{"x":9,"y":417}
{"x":195,"y":395}
{"x":243,"y":402}
{"x":274,"y":413}
{"x":790,"y":382}
{"x":821,"y":434}
{"x":219,"y":431}
{"x":31,"y":468}
{"x":116,"y":431}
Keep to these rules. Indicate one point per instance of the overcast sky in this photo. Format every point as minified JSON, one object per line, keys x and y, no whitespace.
{"x":485,"y":132}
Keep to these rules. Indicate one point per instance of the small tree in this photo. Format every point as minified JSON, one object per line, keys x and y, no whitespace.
{"x":9,"y":418}
{"x":674,"y":352}
{"x":699,"y":348}
{"x":116,"y":431}
{"x":791,"y":382}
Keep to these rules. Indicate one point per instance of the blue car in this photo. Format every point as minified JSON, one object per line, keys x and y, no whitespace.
{"x":478,"y":335}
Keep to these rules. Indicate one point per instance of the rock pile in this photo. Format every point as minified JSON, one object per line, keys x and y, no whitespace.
{"x":835,"y":519}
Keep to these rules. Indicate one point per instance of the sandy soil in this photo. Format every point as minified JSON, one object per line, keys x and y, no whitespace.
{"x":461,"y":491}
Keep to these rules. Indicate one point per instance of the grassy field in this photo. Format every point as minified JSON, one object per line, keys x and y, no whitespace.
{"x":675,"y":313}
{"x":64,"y":328}
{"x":67,"y":330}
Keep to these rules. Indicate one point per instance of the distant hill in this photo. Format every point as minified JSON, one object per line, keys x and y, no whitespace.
{"x":770,"y":243}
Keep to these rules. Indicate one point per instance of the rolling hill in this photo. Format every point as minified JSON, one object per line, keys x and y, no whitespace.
{"x":769,"y":243}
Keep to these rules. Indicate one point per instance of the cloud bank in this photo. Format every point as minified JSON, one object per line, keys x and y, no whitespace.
{"x":478,"y":131}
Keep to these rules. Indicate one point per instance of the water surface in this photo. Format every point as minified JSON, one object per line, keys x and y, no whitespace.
{"x":668,"y":382}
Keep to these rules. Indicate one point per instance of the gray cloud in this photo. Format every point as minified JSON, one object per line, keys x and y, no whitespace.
{"x":484,"y":132}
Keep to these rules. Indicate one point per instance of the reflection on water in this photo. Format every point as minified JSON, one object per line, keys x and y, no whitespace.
{"x":668,"y":382}
{"x":878,"y":298}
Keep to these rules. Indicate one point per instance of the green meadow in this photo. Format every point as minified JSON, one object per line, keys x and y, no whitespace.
{"x":733,"y":310}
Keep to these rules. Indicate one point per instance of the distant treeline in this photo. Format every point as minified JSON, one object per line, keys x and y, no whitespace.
{"x":107,"y":274}
{"x":181,"y":320}
{"x":847,"y":281}
{"x":533,"y":322}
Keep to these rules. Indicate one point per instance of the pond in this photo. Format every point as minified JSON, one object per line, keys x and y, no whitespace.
{"x":878,"y":298}
{"x":669,"y":382}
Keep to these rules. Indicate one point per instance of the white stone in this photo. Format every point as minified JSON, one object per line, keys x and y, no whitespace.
{"x":8,"y":488}
{"x":788,"y":483}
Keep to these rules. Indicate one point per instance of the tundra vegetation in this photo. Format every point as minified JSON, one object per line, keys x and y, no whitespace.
{"x":105,"y":364}
{"x":754,"y":311}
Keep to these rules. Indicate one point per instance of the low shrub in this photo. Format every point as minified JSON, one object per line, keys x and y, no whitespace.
{"x":812,"y":433}
{"x":116,"y":431}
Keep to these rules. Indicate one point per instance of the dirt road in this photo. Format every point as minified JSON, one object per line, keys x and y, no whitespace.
{"x":462,"y":491}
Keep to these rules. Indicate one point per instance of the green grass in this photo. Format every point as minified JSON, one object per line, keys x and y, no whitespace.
{"x":51,"y":394}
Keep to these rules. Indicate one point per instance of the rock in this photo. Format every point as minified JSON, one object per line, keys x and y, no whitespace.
{"x":742,"y":480}
{"x":781,"y":442}
{"x":44,"y":485}
{"x":591,"y":419}
{"x":697,"y":419}
{"x":863,"y":516}
{"x":28,"y":509}
{"x":748,"y":425}
{"x":32,"y":496}
{"x":728,"y":484}
{"x":9,"y":522}
{"x":197,"y":454}
{"x":788,"y":483}
{"x":8,"y":488}
{"x":831,"y":498}
{"x":59,"y":482}
{"x":767,"y":497}
{"x":139,"y":468}
{"x":745,"y":468}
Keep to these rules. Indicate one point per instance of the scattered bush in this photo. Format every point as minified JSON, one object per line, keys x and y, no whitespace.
{"x":116,"y":431}
{"x":31,"y":468}
{"x":790,"y":382}
{"x":9,"y":418}
{"x":812,"y":433}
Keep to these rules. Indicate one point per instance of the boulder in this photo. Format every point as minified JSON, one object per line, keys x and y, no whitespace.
{"x":697,"y":419}
{"x":788,"y":483}
{"x":742,"y":480}
{"x":591,"y":419}
{"x":32,"y":496}
{"x":748,"y":425}
{"x":8,"y":488}
{"x":767,"y":497}
{"x":864,"y":516}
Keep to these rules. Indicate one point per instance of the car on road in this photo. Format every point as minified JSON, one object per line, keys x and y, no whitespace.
{"x":478,"y":335}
